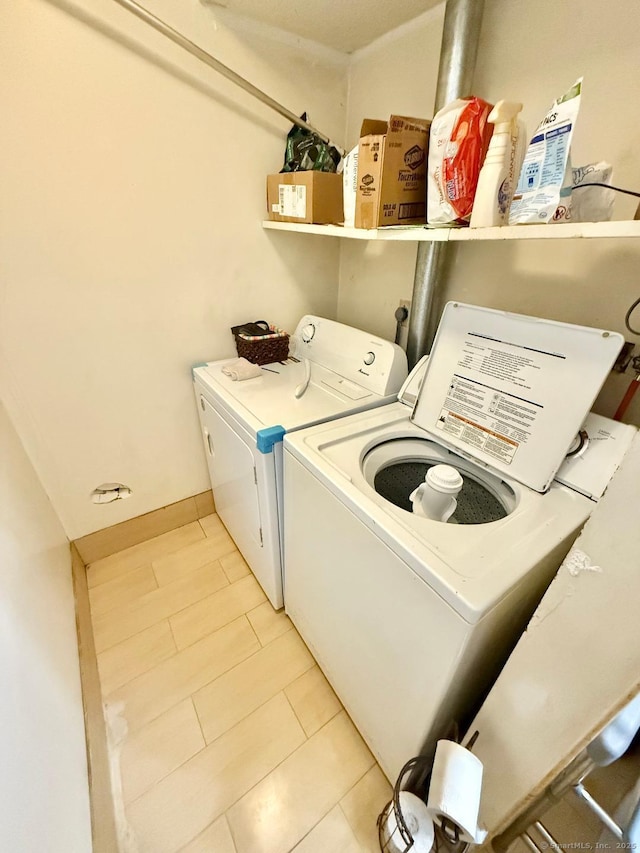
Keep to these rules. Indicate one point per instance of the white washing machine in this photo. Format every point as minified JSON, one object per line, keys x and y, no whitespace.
{"x":338,"y":370}
{"x":411,"y":618}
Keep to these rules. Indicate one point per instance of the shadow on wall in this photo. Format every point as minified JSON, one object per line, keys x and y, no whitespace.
{"x":580,"y":281}
{"x":293,"y":252}
{"x":570,"y":281}
{"x":374,"y":277}
{"x":275,"y":128}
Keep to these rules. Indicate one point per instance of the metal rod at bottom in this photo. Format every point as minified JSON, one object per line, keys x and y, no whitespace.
{"x":218,"y":66}
{"x":597,"y":809}
{"x":531,"y":844}
{"x":581,"y":765}
{"x":544,"y":832}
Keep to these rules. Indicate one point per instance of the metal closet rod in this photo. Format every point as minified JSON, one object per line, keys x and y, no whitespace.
{"x":218,"y":66}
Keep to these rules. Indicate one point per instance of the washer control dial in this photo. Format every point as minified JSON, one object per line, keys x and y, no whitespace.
{"x":369,"y":358}
{"x":579,"y":444}
{"x":308,"y":332}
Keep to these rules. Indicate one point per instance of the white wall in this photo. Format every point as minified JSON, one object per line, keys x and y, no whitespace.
{"x":133,"y":189}
{"x":130,"y":241}
{"x":530,"y":52}
{"x":543,"y":711}
{"x":44,"y":792}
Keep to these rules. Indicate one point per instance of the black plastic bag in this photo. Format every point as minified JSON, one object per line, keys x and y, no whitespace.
{"x":306,"y":152}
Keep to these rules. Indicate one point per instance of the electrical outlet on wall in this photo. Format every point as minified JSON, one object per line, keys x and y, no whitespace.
{"x":402,"y":321}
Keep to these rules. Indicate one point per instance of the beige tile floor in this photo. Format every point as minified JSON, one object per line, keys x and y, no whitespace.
{"x":224,"y":733}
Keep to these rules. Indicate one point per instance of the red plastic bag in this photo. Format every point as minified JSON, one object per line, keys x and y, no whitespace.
{"x":460,"y":137}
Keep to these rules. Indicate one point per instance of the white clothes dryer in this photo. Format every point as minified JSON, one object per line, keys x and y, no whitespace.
{"x":243,"y":423}
{"x":412,"y":618}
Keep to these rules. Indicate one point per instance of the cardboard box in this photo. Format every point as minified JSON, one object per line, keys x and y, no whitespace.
{"x":305,"y":197}
{"x":392,"y":172}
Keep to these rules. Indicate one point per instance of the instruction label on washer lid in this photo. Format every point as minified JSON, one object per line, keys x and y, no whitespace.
{"x":470,"y":429}
{"x":476,"y":412}
{"x":512,"y":391}
{"x":292,"y":201}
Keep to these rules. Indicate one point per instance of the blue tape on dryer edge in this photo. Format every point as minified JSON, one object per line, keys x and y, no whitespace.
{"x":269,"y":436}
{"x":195,"y":366}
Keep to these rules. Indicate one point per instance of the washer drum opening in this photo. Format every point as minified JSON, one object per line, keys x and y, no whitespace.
{"x":395,"y":468}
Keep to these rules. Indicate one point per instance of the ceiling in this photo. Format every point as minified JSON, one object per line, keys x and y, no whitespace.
{"x":344,"y":25}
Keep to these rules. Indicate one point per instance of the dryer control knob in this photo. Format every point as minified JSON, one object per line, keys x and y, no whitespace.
{"x":308,"y":332}
{"x":369,"y":358}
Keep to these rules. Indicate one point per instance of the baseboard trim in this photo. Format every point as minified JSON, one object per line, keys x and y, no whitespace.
{"x":103,"y":823}
{"x":108,"y":541}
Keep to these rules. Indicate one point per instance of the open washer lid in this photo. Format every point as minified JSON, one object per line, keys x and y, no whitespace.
{"x":511,"y":391}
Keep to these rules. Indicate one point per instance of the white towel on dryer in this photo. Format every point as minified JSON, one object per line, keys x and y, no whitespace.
{"x":241,"y":369}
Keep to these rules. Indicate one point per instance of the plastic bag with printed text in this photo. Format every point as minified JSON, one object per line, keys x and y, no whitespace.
{"x":544,"y":188}
{"x":458,"y":143}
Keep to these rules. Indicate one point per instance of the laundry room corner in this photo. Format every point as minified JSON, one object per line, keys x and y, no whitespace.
{"x":133,"y":188}
{"x":591,"y":282}
{"x":44,"y":764}
{"x":319,"y":432}
{"x":395,"y":74}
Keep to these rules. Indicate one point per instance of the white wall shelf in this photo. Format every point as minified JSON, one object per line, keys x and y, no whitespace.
{"x":410,"y":232}
{"x":420,"y":233}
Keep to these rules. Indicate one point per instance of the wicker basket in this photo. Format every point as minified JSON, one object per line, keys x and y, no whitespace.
{"x":269,"y":346}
